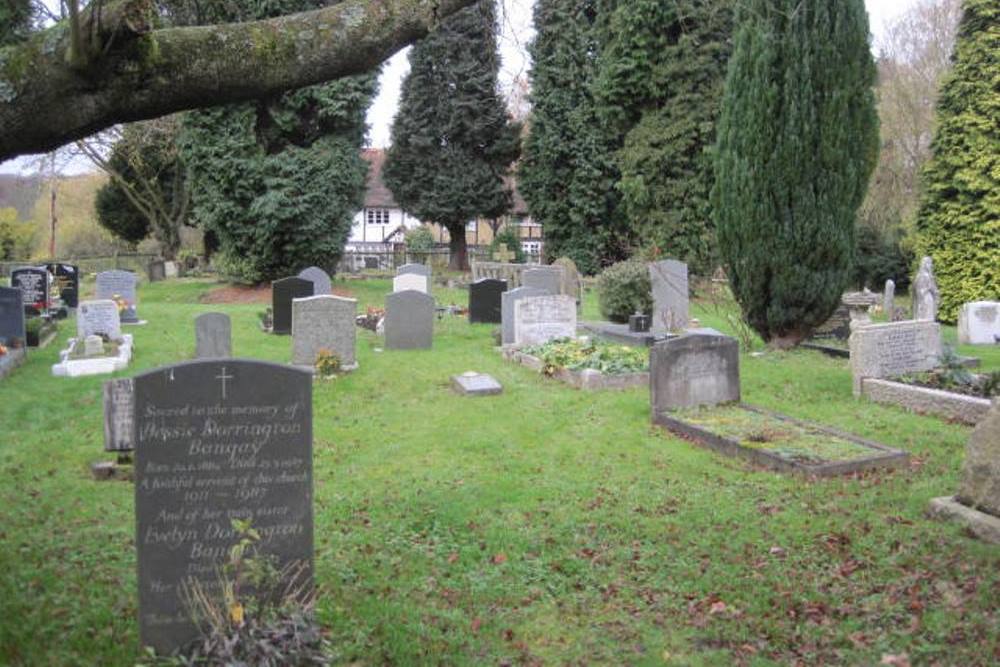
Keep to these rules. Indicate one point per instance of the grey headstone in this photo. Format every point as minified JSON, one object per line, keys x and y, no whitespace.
{"x":980,"y":487}
{"x":324,"y":322}
{"x":692,"y":370}
{"x":669,"y":280}
{"x":926,"y":296}
{"x":475,"y":384}
{"x":319,"y":278}
{"x":121,"y":284}
{"x":411,"y":281}
{"x":156,"y":270}
{"x":33,"y":282}
{"x":979,"y":323}
{"x":540,"y":319}
{"x":98,"y":317}
{"x":549,"y":279}
{"x":419,"y":269}
{"x":171,"y":269}
{"x":93,"y":346}
{"x":889,"y":299}
{"x":409,"y":320}
{"x":213,"y":334}
{"x":217,"y":440}
{"x":507,"y":301}
{"x":11,"y":316}
{"x":282,"y":293}
{"x":118,"y":415}
{"x":67,"y":283}
{"x":894,"y":349}
{"x":485,"y":298}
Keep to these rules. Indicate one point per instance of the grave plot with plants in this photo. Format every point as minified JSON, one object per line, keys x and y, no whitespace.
{"x":587,"y":363}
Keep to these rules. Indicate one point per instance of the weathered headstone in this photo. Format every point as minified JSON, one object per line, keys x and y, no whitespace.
{"x":507,"y":301}
{"x":409,"y":320}
{"x":669,"y":280}
{"x":11,"y":317}
{"x":925,"y":292}
{"x":692,"y":370}
{"x":217,"y":441}
{"x":98,"y":317}
{"x":282,"y":293}
{"x":540,"y":319}
{"x":118,"y":415}
{"x":546,"y":278}
{"x":893,"y":349}
{"x":980,"y":487}
{"x":411,"y":281}
{"x":213,"y":334}
{"x":571,"y":284}
{"x":93,"y":346}
{"x":320,"y":279}
{"x":67,"y":283}
{"x":979,"y":323}
{"x":889,"y":299}
{"x":171,"y":269}
{"x":119,"y":284}
{"x":485,"y":300}
{"x":324,"y":322}
{"x":156,"y":270}
{"x":472,"y":383}
{"x":33,"y":282}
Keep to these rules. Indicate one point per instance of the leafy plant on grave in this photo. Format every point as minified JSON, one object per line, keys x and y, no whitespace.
{"x":327,"y":363}
{"x":581,"y":354}
{"x":951,"y":371}
{"x":624,"y":289}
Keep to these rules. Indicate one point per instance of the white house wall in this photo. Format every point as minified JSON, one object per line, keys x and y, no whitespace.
{"x":366,"y":233}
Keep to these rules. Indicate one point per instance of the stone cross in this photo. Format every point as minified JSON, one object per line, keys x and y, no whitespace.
{"x":503,"y":254}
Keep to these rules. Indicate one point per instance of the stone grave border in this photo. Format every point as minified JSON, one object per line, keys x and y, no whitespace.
{"x":588,"y":379}
{"x":96,"y":365}
{"x":882,"y":456}
{"x":829,"y":350}
{"x":984,"y":526}
{"x":927,"y":401}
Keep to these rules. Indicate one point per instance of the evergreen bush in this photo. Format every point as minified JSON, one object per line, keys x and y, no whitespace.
{"x":624,"y":289}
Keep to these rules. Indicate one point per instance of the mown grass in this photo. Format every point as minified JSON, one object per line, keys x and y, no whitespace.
{"x":542,"y":526}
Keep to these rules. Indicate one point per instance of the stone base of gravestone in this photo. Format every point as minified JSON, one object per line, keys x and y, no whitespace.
{"x":471,"y":383}
{"x":104,"y":471}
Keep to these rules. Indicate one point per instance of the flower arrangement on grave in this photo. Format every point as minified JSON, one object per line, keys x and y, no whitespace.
{"x":3,"y":349}
{"x":577,"y":354}
{"x":371,"y":318}
{"x":120,"y":302}
{"x":327,"y":363}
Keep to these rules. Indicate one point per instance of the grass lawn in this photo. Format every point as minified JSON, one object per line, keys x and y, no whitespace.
{"x":543,"y":526}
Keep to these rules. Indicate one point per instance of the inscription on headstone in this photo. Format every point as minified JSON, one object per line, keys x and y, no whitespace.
{"x":116,"y":285}
{"x":213,"y":334}
{"x":100,"y":318}
{"x":979,"y":323}
{"x":669,"y":280}
{"x":118,"y":415}
{"x":894,"y":349}
{"x":693,"y":370}
{"x":539,"y":319}
{"x":217,"y":441}
{"x":33,"y":282}
{"x":282,"y":293}
{"x":324,"y":323}
{"x":11,"y":316}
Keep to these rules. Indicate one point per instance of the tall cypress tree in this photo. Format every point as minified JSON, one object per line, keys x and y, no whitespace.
{"x":452,"y":142}
{"x":568,"y":174}
{"x":959,"y":220}
{"x":797,"y":141}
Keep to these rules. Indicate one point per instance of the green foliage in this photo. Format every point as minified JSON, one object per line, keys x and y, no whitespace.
{"x":509,"y":236}
{"x":959,"y":220}
{"x":568,"y":175}
{"x":660,"y":85}
{"x":624,"y":289}
{"x":119,"y":216}
{"x":577,"y":355}
{"x":419,"y":239}
{"x":278,"y":180}
{"x":16,"y":238}
{"x":452,"y":142}
{"x":797,"y":141}
{"x":328,"y":363}
{"x":880,"y":255}
{"x":15,"y":20}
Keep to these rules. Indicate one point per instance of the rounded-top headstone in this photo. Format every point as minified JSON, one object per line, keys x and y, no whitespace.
{"x":319,"y":278}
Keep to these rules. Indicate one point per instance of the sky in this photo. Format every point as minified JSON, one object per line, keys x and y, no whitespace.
{"x":516,"y":32}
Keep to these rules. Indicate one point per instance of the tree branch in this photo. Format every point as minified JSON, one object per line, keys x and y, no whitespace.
{"x":45,"y":103}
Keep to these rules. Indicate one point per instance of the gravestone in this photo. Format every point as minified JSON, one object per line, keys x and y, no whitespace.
{"x":485,"y":298}
{"x":472,"y":383}
{"x":98,"y":317}
{"x":67,"y":283}
{"x":979,"y":323}
{"x":894,"y":349}
{"x":156,"y":270}
{"x":571,"y":284}
{"x":692,"y":370}
{"x":93,"y":346}
{"x":419,"y":269}
{"x":118,"y":415}
{"x":507,"y":302}
{"x":11,"y":317}
{"x":980,"y":487}
{"x":889,"y":299}
{"x":925,"y":292}
{"x":324,"y":322}
{"x":282,"y":293}
{"x":409,"y":320}
{"x":411,"y":281}
{"x":120,"y":284}
{"x":33,"y":282}
{"x":171,"y":269}
{"x":213,"y":334}
{"x":540,"y":319}
{"x":669,"y":280}
{"x":319,"y":278}
{"x":546,"y":278}
{"x":216,"y":441}
{"x":838,"y":327}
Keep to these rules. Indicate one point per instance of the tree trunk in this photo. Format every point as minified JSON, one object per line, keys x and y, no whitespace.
{"x":133,"y":72}
{"x":459,"y":249}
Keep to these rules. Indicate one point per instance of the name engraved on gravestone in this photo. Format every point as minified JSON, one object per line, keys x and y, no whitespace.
{"x":118,"y":415}
{"x":213,"y":336}
{"x":11,"y":316}
{"x":98,"y":317}
{"x":119,"y":284}
{"x":894,"y":349}
{"x":537,"y":320}
{"x":34,"y":285}
{"x":217,"y":441}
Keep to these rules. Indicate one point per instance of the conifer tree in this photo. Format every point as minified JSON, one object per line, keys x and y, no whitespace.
{"x":797,"y":141}
{"x":452,"y":142}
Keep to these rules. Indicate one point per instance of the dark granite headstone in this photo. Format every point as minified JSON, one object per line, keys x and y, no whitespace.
{"x":11,"y":317}
{"x":693,"y":370}
{"x":67,"y":283}
{"x":33,"y":281}
{"x":217,"y":441}
{"x":409,"y":320}
{"x":282,"y":293}
{"x":213,"y":336}
{"x":320,"y":280}
{"x":639,"y":323}
{"x":485,"y":298}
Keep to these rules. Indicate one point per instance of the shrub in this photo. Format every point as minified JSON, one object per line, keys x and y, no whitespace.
{"x":509,"y":237}
{"x":624,"y":289}
{"x":879,"y":257}
{"x":419,"y":239}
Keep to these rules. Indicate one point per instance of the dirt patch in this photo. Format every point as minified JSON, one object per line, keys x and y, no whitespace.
{"x":258,"y":294}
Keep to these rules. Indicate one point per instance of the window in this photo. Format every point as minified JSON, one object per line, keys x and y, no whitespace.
{"x":377,"y":216}
{"x":470,"y":226}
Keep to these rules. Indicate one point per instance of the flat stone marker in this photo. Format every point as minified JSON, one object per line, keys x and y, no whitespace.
{"x":98,"y":317}
{"x":213,"y":334}
{"x":409,"y":321}
{"x":540,"y":319}
{"x":979,"y":323}
{"x":411,"y":281}
{"x":283,"y":291}
{"x":507,"y":301}
{"x":216,"y":441}
{"x":893,"y":349}
{"x":33,"y":282}
{"x":119,"y":415}
{"x":692,"y":370}
{"x":117,"y":283}
{"x":11,"y":316}
{"x":472,"y":383}
{"x":549,"y":279}
{"x":319,"y":278}
{"x":324,"y":322}
{"x":485,"y":300}
{"x":669,"y":279}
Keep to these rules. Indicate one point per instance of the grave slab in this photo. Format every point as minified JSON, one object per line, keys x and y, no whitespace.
{"x":472,"y":383}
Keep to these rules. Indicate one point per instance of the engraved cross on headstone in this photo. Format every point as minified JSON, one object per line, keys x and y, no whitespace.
{"x":503,"y":254}
{"x":223,"y":376}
